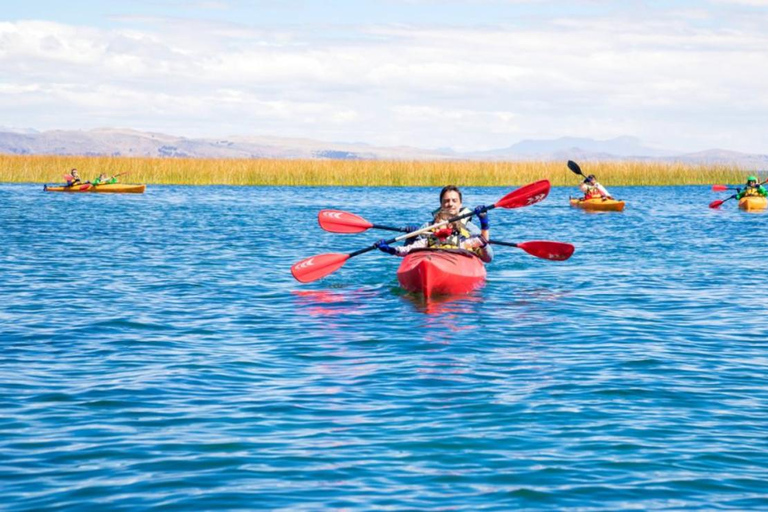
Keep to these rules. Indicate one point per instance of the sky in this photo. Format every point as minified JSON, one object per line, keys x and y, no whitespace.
{"x":462,"y":74}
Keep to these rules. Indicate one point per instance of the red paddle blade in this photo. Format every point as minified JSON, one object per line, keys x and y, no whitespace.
{"x":68,"y":177}
{"x":337,"y":221}
{"x":85,"y":187}
{"x":719,"y":188}
{"x":555,"y":251}
{"x":317,"y":267}
{"x":716,"y":204}
{"x":525,"y":196}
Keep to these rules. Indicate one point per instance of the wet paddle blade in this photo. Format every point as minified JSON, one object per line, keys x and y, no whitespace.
{"x":574,"y":167}
{"x":555,"y":251}
{"x":719,"y":188}
{"x":337,"y":221}
{"x":85,"y":187}
{"x":317,"y":267}
{"x":716,"y":204}
{"x":525,"y":196}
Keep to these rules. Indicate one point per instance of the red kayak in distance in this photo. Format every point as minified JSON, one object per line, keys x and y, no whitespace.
{"x":441,"y":272}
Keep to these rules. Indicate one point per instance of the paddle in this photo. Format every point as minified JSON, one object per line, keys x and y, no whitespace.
{"x":337,"y":221}
{"x":544,"y":249}
{"x":573,"y":166}
{"x":723,"y":188}
{"x":316,"y":267}
{"x":716,"y":204}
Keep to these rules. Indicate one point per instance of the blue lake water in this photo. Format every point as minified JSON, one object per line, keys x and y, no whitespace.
{"x":157,"y":354}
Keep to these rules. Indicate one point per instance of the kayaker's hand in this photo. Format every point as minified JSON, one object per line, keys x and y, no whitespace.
{"x":482,"y":215}
{"x":384,"y":247}
{"x":410,"y":228}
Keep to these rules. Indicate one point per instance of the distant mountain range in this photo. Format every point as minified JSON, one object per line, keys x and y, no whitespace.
{"x":123,"y":142}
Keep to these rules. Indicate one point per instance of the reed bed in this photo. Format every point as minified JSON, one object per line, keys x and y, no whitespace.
{"x":354,"y":173}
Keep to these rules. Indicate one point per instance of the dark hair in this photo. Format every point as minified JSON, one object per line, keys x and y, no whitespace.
{"x":450,"y":188}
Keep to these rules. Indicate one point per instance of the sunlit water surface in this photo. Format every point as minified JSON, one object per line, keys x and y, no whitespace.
{"x":157,"y":354}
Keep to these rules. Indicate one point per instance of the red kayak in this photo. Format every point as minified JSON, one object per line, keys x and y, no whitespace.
{"x":441,"y":272}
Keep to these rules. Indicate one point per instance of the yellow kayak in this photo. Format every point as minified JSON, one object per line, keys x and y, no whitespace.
{"x":752,"y":203}
{"x":111,"y":188}
{"x":599,"y":205}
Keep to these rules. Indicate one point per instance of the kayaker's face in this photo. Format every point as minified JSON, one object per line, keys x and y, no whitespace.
{"x":451,"y":202}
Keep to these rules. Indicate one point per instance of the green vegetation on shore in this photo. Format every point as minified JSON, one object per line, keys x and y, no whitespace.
{"x":370,"y":173}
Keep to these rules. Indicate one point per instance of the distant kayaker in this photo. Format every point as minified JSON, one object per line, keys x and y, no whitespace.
{"x":103,"y":180}
{"x":593,"y":190}
{"x":75,"y":178}
{"x":450,"y":236}
{"x":753,"y":188}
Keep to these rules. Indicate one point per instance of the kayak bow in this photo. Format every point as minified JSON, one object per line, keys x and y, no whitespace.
{"x":441,"y":272}
{"x":753,"y":203}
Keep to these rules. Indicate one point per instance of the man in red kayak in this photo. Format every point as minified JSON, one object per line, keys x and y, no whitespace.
{"x":593,"y":190}
{"x":458,"y":235}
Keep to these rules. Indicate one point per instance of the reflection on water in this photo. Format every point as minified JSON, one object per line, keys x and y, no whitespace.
{"x":447,"y":305}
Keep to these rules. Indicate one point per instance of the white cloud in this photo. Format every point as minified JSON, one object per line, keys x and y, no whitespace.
{"x":467,"y":87}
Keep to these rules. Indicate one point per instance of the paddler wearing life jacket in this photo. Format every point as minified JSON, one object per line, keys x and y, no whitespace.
{"x":103,"y":180}
{"x":451,"y":201}
{"x":447,"y":236}
{"x":593,"y":190}
{"x":753,"y":188}
{"x":75,"y":178}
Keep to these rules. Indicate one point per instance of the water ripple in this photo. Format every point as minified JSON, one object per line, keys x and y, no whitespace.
{"x":159,"y":356}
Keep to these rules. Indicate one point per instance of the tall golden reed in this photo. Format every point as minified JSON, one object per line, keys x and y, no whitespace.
{"x":367,"y":173}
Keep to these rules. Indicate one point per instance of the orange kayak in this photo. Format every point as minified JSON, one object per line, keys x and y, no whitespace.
{"x":599,"y":205}
{"x":440,"y":272}
{"x":753,"y":203}
{"x":110,"y":188}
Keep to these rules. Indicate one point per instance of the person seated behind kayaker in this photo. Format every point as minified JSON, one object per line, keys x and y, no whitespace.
{"x":753,"y":188}
{"x":593,"y":190}
{"x":75,"y":178}
{"x":103,"y":180}
{"x":449,"y":236}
